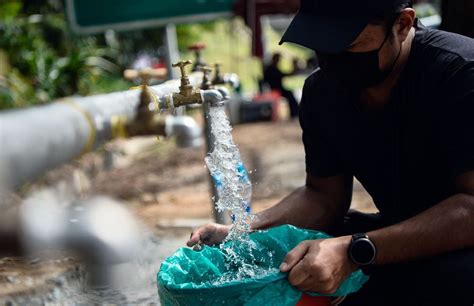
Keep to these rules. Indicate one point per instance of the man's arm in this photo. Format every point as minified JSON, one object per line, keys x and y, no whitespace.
{"x":317,"y":205}
{"x":445,"y":227}
{"x":322,"y":265}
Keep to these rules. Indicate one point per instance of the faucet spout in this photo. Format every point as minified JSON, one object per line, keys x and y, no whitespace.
{"x":180,"y":99}
{"x":215,"y":97}
{"x":187,"y":131}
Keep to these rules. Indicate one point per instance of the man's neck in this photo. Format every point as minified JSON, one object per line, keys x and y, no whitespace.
{"x":377,"y":97}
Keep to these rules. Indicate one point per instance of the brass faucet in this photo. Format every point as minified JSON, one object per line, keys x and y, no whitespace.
{"x":218,"y":78}
{"x":145,"y":97}
{"x":187,"y":94}
{"x":231,"y":79}
{"x":199,"y":62}
{"x":146,"y":121}
{"x":206,"y":79}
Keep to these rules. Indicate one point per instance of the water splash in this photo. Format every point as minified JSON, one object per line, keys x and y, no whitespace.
{"x":229,"y":174}
{"x":234,"y":188}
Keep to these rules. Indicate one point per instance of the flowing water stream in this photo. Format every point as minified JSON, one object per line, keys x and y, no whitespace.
{"x":235,"y":190}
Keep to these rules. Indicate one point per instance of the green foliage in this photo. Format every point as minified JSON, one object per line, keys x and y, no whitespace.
{"x":190,"y":33}
{"x":425,"y":10}
{"x":44,"y":60}
{"x":9,"y":10}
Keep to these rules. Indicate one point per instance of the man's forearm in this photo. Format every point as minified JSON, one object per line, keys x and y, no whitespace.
{"x":445,"y":227}
{"x":305,"y":208}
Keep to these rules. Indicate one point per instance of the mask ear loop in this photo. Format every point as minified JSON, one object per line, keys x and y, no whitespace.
{"x":387,"y":35}
{"x":388,"y":30}
{"x":396,"y":58}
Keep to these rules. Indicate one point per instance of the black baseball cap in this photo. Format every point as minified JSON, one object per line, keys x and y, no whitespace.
{"x":330,"y":26}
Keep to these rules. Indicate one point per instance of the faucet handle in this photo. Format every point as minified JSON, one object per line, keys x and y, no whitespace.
{"x":146,"y":96}
{"x":181,"y":66}
{"x":206,"y":69}
{"x":197,"y":46}
{"x":145,"y":74}
{"x":186,"y":88}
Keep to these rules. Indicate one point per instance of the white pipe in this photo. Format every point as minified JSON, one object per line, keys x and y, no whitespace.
{"x":37,"y":139}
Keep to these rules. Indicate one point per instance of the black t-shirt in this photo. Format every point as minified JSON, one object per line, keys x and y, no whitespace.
{"x":407,"y":154}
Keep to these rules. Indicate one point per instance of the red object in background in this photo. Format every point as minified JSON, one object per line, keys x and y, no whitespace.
{"x":252,"y":10}
{"x":307,"y":300}
{"x":274,"y":97}
{"x":158,"y":65}
{"x":197,"y":46}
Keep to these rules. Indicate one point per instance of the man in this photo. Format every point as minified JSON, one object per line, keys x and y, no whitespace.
{"x":273,"y":76}
{"x":392,"y":105}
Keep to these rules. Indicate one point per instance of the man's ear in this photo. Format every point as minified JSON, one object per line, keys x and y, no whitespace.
{"x":404,"y":23}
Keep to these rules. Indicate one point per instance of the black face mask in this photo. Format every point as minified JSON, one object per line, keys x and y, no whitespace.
{"x":356,"y":70}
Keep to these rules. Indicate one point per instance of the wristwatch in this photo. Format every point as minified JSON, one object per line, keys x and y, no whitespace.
{"x":362,"y":251}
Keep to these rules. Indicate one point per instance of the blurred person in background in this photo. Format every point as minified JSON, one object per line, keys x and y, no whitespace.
{"x":273,"y":77}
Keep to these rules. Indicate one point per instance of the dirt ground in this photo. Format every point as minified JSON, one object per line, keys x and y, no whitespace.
{"x":168,"y":188}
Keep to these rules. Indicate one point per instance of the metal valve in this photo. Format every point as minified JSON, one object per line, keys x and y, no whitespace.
{"x":145,"y":121}
{"x":197,"y":49}
{"x":145,"y":74}
{"x":218,"y":78}
{"x":206,"y":79}
{"x":186,"y":88}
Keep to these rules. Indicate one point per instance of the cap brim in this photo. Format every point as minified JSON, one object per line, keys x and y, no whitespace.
{"x":324,"y":34}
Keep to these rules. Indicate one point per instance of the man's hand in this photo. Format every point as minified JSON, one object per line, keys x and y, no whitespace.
{"x":209,"y":234}
{"x":319,"y":265}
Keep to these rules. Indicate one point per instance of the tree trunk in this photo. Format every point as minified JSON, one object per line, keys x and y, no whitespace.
{"x":458,"y":16}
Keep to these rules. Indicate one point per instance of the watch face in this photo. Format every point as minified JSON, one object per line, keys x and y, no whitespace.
{"x":363,"y":251}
